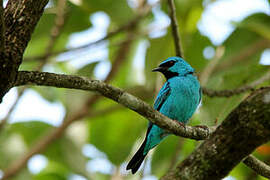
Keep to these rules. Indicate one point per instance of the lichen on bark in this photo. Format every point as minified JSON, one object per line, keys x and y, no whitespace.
{"x":20,"y":19}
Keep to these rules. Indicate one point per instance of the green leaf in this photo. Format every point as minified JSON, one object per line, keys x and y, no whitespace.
{"x":41,"y":36}
{"x":77,"y":20}
{"x":259,"y":23}
{"x":243,"y":38}
{"x":87,"y":70}
{"x":193,"y":49}
{"x":192,"y":19}
{"x":119,"y":11}
{"x":51,"y":94}
{"x":159,"y":50}
{"x":124,"y":76}
{"x":70,"y":158}
{"x":165,"y":153}
{"x":30,"y":131}
{"x":188,"y":13}
{"x":116,"y":133}
{"x":53,"y":171}
{"x":24,"y":174}
{"x":73,"y":100}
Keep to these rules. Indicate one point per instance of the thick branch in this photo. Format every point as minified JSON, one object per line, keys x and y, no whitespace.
{"x":55,"y":33}
{"x":20,"y":18}
{"x":2,"y":27}
{"x":246,"y":128}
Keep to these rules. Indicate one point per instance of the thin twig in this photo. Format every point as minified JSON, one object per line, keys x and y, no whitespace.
{"x":6,"y":118}
{"x":175,"y":31}
{"x":55,"y":31}
{"x":243,"y":54}
{"x":232,"y":92}
{"x":207,"y":71}
{"x":119,"y":59}
{"x":109,"y":35}
{"x":258,"y":166}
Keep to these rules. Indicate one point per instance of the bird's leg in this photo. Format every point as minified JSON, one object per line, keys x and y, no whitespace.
{"x":180,"y":123}
{"x":202,"y":126}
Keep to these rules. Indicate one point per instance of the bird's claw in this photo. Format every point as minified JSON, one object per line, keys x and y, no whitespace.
{"x":202,"y":126}
{"x":181,"y":124}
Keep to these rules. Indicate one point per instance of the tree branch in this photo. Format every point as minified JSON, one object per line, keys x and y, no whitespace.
{"x":246,"y":128}
{"x":55,"y":31}
{"x":4,"y":121}
{"x":133,"y":22}
{"x":116,"y":94}
{"x":175,"y":28}
{"x":242,"y":55}
{"x":258,"y":166}
{"x":207,"y":71}
{"x":57,"y":132}
{"x":232,"y":92}
{"x":2,"y":27}
{"x":20,"y":18}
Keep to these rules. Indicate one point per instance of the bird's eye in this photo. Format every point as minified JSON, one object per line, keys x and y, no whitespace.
{"x":168,"y":64}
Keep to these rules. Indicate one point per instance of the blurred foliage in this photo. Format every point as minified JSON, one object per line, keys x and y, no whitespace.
{"x":118,"y":132}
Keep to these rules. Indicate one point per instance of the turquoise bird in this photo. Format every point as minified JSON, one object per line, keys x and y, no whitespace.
{"x":178,"y":99}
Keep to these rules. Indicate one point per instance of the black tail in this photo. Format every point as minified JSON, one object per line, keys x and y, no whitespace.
{"x":137,"y":159}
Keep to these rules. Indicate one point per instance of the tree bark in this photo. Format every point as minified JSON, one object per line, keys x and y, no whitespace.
{"x":246,"y":128}
{"x":20,"y":19}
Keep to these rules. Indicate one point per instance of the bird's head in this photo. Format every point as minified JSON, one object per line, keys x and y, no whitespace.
{"x":174,"y":66}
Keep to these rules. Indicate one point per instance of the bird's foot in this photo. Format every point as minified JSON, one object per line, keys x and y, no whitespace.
{"x":202,"y":126}
{"x":180,"y":123}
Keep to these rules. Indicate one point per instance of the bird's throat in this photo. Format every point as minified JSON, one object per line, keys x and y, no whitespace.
{"x":169,"y":74}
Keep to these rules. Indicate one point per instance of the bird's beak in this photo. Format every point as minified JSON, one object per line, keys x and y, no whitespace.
{"x":159,"y":69}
